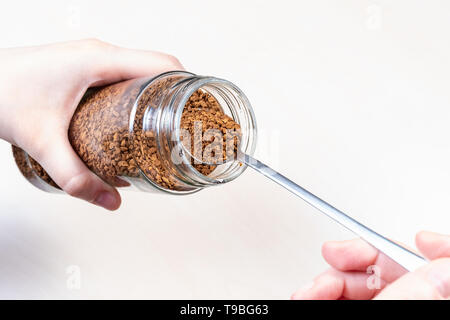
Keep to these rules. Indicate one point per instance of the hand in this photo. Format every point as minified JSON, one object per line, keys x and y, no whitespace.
{"x":40,"y":88}
{"x":349,"y":260}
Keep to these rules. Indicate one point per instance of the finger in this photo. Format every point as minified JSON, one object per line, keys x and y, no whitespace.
{"x":109,"y":63}
{"x":325,"y":287}
{"x":335,"y":284}
{"x":433,"y":245}
{"x":429,"y":282}
{"x":70,"y":173}
{"x":358,"y":255}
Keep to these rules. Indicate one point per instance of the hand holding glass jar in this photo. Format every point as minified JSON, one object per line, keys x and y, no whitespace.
{"x":111,"y":117}
{"x":40,"y":89}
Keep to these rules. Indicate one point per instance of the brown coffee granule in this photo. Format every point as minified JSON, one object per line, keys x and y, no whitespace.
{"x":203,"y":109}
{"x":100,"y":134}
{"x":29,"y":167}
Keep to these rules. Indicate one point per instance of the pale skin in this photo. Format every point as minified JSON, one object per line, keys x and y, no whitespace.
{"x":40,"y":88}
{"x":349,"y":260}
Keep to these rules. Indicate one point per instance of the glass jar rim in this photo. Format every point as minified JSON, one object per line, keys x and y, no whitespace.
{"x":244,"y":117}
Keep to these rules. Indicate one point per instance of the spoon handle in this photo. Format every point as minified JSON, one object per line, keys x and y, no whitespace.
{"x":404,"y":257}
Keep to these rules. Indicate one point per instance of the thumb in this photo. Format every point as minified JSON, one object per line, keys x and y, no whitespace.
{"x":70,"y":173}
{"x":433,"y":245}
{"x":429,"y":282}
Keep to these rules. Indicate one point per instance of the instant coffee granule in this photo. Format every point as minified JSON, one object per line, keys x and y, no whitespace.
{"x":100,"y":134}
{"x":27,"y":169}
{"x":217,"y":130}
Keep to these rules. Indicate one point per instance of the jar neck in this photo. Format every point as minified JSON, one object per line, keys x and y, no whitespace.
{"x":233,"y":103}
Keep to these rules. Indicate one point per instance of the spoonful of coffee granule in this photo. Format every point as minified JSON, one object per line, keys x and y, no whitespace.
{"x":219,"y":137}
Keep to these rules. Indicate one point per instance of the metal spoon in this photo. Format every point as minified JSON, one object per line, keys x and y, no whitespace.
{"x":404,"y":257}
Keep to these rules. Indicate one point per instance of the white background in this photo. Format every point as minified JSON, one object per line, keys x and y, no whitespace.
{"x":352,"y":100}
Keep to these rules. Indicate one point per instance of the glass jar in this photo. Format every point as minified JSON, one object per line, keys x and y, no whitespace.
{"x":128,"y":134}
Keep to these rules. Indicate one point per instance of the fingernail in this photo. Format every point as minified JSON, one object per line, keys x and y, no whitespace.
{"x":298,"y":295}
{"x":106,"y":200}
